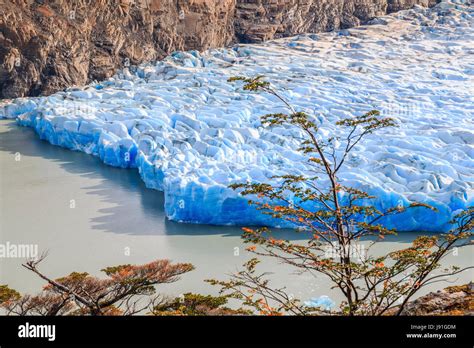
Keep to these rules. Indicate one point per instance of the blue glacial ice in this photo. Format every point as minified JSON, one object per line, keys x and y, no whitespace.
{"x":191,"y":134}
{"x":323,"y":302}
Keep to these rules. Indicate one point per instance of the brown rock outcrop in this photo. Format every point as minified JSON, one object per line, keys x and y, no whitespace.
{"x":260,"y":20}
{"x":453,"y":300}
{"x":46,"y":46}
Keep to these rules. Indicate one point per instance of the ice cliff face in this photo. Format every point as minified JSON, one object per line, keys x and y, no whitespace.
{"x":191,"y":134}
{"x":46,"y":46}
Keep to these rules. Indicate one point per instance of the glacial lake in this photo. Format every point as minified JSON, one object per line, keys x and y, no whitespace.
{"x":88,"y":215}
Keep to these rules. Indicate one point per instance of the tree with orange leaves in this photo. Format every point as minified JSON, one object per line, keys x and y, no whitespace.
{"x":127,"y":290}
{"x":336,"y":218}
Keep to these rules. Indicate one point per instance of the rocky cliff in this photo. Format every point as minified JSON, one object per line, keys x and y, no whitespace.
{"x":46,"y":46}
{"x":453,"y":300}
{"x":260,"y":20}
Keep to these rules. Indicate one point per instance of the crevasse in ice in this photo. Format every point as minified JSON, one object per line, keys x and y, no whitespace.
{"x":190,"y":133}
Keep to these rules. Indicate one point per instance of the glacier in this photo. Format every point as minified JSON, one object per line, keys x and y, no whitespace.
{"x":190,"y":133}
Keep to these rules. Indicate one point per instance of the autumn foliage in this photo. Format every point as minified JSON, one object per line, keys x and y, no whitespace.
{"x":341,"y":224}
{"x":337,"y":221}
{"x":127,"y":290}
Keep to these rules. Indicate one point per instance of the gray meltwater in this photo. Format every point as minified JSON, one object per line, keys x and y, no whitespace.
{"x":88,"y":216}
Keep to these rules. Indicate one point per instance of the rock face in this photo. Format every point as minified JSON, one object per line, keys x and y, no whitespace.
{"x":453,"y":300}
{"x":260,"y":20}
{"x":46,"y":46}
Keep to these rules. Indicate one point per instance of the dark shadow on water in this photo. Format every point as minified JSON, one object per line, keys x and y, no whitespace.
{"x":138,"y":210}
